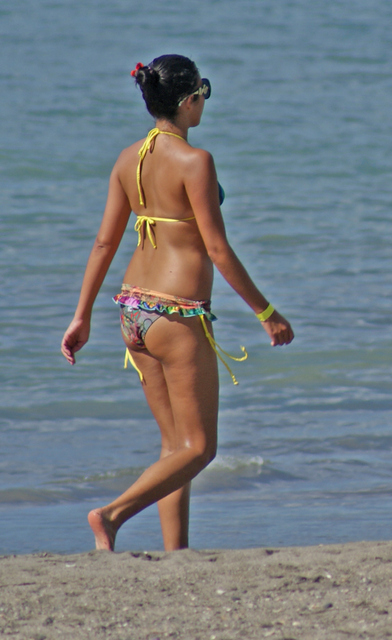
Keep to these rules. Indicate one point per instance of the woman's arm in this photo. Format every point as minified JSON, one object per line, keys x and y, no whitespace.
{"x":201,"y":187}
{"x":114,"y":222}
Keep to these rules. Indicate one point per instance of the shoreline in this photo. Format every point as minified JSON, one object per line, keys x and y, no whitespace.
{"x":289,"y":593}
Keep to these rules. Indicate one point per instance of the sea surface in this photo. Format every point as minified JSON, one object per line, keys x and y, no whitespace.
{"x":300,"y":126}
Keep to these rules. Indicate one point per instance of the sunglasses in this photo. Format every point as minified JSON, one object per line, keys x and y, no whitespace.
{"x":204,"y":90}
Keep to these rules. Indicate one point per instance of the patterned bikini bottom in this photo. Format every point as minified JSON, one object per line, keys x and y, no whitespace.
{"x":140,"y":308}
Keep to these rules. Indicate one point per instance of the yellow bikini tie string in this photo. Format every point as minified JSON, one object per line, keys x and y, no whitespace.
{"x":216,"y":346}
{"x":147,"y":222}
{"x":129,"y":358}
{"x":142,"y":154}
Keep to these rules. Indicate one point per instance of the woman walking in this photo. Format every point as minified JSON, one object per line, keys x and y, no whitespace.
{"x":165,"y":301}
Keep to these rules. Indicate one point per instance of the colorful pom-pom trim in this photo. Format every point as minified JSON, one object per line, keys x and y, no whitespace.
{"x":136,"y":69}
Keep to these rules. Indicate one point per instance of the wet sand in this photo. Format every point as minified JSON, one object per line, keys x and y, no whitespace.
{"x":332,"y":592}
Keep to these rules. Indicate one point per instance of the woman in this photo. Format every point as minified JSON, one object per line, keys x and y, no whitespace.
{"x":165,"y":314}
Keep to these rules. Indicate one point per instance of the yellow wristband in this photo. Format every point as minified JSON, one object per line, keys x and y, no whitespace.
{"x":264,"y":315}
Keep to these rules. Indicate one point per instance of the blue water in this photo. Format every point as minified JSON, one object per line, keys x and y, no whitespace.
{"x":299,"y":125}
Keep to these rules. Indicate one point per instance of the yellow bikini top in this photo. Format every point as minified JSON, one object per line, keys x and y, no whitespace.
{"x":145,"y":223}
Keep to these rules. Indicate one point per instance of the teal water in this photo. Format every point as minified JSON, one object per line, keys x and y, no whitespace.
{"x":299,"y":125}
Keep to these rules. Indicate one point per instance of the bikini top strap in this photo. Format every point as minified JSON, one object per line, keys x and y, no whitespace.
{"x":142,"y":154}
{"x":147,"y":222}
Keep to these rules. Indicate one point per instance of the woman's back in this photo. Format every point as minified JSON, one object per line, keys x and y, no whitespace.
{"x":171,"y":255}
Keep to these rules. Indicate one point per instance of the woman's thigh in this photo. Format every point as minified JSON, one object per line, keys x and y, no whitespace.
{"x":181,"y":366}
{"x":157,"y":396}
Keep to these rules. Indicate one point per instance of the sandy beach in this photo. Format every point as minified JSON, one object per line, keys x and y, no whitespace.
{"x":301,"y":593}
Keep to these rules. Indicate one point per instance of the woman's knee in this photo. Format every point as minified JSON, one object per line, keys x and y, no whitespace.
{"x":204,"y":454}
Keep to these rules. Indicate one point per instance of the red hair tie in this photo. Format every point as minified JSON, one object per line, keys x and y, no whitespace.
{"x":136,"y":69}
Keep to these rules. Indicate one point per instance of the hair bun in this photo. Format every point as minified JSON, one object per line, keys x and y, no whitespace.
{"x":154,"y":76}
{"x":145,"y":75}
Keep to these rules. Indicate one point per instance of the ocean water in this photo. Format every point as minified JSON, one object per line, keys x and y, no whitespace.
{"x":300,"y":128}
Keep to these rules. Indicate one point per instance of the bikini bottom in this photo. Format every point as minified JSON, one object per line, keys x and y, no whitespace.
{"x":140,"y":308}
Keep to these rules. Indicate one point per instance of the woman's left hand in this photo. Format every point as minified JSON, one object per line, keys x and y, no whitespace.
{"x":278,"y":329}
{"x":75,"y":338}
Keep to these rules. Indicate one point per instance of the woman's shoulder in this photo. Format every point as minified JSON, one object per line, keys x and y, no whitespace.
{"x":201,"y":155}
{"x":200,"y":162}
{"x":128,"y":157}
{"x":130,"y":152}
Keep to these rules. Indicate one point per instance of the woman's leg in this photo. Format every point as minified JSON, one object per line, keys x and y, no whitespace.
{"x":174,"y":518}
{"x":190,"y":370}
{"x":174,"y":508}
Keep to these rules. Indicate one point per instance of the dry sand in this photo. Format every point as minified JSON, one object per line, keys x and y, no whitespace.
{"x":305,"y":593}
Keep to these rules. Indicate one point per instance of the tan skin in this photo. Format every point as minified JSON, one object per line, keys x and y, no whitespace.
{"x":178,"y":364}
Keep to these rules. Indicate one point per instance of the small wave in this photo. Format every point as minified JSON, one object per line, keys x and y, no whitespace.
{"x":74,"y":489}
{"x":225,"y":472}
{"x":251,"y":465}
{"x":25,"y":495}
{"x":108,"y":476}
{"x":230,"y":473}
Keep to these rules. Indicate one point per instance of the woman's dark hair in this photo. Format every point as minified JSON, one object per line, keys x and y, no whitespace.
{"x":165,"y":82}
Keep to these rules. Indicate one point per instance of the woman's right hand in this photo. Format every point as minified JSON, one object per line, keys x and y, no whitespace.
{"x":278,"y":329}
{"x":75,"y":338}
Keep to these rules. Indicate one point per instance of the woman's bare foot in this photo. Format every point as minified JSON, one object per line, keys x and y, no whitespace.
{"x":103,"y":530}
